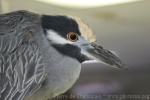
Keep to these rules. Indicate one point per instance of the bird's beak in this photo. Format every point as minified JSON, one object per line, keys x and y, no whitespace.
{"x":95,"y":52}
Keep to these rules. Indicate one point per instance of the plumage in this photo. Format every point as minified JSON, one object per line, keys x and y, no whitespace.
{"x":26,"y":59}
{"x":38,"y":61}
{"x":21,"y":67}
{"x":85,"y":30}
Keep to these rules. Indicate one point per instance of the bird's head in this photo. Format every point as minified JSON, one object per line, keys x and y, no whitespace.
{"x":71,"y":37}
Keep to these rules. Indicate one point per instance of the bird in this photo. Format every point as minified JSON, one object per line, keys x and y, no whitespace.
{"x":41,"y":55}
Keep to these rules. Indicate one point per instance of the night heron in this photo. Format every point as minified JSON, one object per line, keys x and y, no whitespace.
{"x":41,"y":55}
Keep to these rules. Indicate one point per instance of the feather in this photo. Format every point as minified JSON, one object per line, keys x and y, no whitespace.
{"x":22,"y":70}
{"x":85,"y":30}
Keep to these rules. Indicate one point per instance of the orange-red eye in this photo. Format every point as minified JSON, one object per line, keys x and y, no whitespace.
{"x":72,"y":36}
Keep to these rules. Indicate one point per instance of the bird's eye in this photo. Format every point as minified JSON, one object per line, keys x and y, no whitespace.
{"x":72,"y":36}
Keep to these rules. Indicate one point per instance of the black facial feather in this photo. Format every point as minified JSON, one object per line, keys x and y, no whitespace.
{"x":71,"y":51}
{"x":61,"y":24}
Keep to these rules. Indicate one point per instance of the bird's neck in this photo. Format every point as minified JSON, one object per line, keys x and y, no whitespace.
{"x":62,"y":72}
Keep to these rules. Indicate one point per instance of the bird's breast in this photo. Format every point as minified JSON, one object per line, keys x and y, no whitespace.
{"x":62,"y":73}
{"x":66,"y":72}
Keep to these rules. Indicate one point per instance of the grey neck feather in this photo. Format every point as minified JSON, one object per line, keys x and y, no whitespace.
{"x":62,"y":72}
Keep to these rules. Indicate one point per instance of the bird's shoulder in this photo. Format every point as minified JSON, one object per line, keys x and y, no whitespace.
{"x":22,"y":68}
{"x":15,"y":27}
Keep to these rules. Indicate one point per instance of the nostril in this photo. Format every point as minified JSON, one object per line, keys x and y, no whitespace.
{"x":96,"y":45}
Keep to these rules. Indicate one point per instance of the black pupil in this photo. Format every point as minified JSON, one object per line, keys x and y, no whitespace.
{"x":73,"y":37}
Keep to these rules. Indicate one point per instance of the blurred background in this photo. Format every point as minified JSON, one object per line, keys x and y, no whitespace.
{"x":120,"y":25}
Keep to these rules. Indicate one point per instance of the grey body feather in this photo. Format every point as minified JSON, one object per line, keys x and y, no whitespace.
{"x":30,"y":68}
{"x":21,"y":66}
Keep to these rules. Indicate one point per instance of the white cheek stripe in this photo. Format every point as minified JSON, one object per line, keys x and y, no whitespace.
{"x":56,"y":38}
